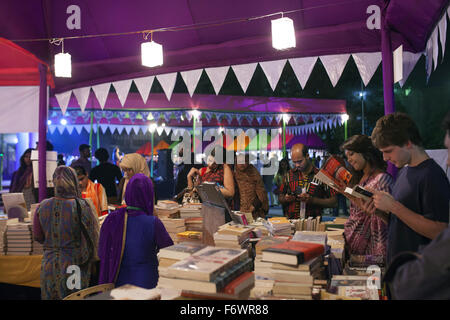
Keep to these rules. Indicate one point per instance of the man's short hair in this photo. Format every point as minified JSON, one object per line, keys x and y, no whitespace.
{"x":83,"y":147}
{"x":102,"y":154}
{"x":395,"y":129}
{"x":80,"y":170}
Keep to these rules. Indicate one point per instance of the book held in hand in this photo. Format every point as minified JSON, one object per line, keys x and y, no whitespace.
{"x":334,"y":174}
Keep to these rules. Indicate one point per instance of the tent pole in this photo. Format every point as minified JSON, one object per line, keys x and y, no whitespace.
{"x":42,"y":145}
{"x":388,"y":76}
{"x":151,"y":161}
{"x":284,"y":138}
{"x":98,"y":141}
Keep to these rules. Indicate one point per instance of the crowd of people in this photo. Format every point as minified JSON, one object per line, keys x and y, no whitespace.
{"x":405,"y":223}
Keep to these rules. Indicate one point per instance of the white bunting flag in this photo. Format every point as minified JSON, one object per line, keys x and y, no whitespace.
{"x":191,"y":79}
{"x":122,"y":88}
{"x":144,"y":86}
{"x":334,"y":65}
{"x":367,"y":63}
{"x":63,"y":100}
{"x":217,"y":77}
{"x":302,"y":68}
{"x":82,"y":95}
{"x":167,"y":82}
{"x":101,"y":92}
{"x":244,"y":74}
{"x":273,"y":70}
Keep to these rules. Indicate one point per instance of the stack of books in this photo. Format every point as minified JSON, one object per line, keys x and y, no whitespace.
{"x":173,"y":227}
{"x":194,"y":224}
{"x":337,"y":223}
{"x":295,"y":266}
{"x":363,"y":286}
{"x":211,"y":273}
{"x":359,"y":264}
{"x":263,"y":270}
{"x":336,"y":241}
{"x":3,"y":222}
{"x":190,"y":210}
{"x":19,"y":241}
{"x":311,"y":237}
{"x":260,"y":228}
{"x":309,"y":224}
{"x":170,"y":255}
{"x":232,"y":235}
{"x":279,"y":226}
{"x":165,"y":209}
{"x":192,"y":236}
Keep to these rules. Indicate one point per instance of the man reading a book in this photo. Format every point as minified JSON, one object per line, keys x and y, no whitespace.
{"x":419,"y":204}
{"x":298,"y":190}
{"x":424,"y":274}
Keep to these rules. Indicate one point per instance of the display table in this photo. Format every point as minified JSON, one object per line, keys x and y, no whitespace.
{"x":21,"y":270}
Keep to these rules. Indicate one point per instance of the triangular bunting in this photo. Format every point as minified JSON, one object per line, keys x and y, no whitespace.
{"x":122,"y":89}
{"x":167,"y":130}
{"x":244,"y":74}
{"x":70,"y":128}
{"x":104,"y":127}
{"x":136,"y":129}
{"x":82,"y":95}
{"x":61,"y":128}
{"x":302,"y":68}
{"x":78,"y":129}
{"x":101,"y":92}
{"x":334,"y":65}
{"x":167,"y":82}
{"x":128,"y":129}
{"x":217,"y":77}
{"x":120,"y":129}
{"x":273,"y":70}
{"x":144,"y":85}
{"x":434,"y":37}
{"x":51,"y":129}
{"x":191,"y":79}
{"x":443,"y":33}
{"x":367,"y":63}
{"x":63,"y":100}
{"x":112,"y":128}
{"x":409,"y":62}
{"x":159,"y":130}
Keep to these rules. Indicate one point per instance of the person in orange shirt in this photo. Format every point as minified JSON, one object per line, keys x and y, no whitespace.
{"x":93,"y":191}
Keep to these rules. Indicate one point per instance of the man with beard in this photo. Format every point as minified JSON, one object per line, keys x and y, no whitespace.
{"x":252,"y":194}
{"x":298,"y":189}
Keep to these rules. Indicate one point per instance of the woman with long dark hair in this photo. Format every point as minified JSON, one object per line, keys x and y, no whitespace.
{"x":366,"y":232}
{"x":22,"y":179}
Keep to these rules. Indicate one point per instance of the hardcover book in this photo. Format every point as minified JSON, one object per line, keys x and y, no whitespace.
{"x":292,"y":252}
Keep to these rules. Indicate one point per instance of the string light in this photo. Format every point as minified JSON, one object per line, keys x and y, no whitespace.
{"x":63,"y":61}
{"x":151,"y":53}
{"x":283,"y":33}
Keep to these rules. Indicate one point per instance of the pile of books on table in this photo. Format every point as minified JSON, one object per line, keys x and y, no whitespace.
{"x":167,"y":209}
{"x":19,"y":239}
{"x":359,"y":264}
{"x":211,"y":273}
{"x":279,"y":226}
{"x":193,"y":236}
{"x":295,"y":266}
{"x":170,"y":255}
{"x":263,"y":270}
{"x":3,"y":222}
{"x":309,"y":224}
{"x":173,"y":227}
{"x":194,"y":223}
{"x":190,"y":210}
{"x":364,"y":287}
{"x":232,"y":235}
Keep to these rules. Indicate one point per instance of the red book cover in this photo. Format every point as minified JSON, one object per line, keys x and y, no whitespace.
{"x":231,"y":287}
{"x":303,"y":250}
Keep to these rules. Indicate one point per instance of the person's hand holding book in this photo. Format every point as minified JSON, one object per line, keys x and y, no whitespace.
{"x":305,"y":197}
{"x":383,"y":200}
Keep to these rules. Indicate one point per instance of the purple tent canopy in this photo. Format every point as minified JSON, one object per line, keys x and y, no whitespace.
{"x":323,"y":27}
{"x":311,"y":140}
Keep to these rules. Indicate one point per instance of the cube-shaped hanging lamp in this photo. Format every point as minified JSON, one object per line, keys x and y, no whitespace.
{"x":151,"y":54}
{"x":63,"y":65}
{"x":283,"y":34}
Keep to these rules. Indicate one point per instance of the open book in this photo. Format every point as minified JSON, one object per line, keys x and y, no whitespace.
{"x":336,"y":176}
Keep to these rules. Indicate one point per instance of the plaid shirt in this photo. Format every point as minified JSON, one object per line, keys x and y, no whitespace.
{"x":295,"y":181}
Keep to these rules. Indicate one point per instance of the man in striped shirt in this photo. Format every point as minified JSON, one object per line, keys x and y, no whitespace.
{"x":297,"y":189}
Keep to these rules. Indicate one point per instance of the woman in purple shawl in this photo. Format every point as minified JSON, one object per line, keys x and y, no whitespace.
{"x":131,"y":237}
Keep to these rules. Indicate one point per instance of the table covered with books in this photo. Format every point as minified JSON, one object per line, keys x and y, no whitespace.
{"x":21,"y":270}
